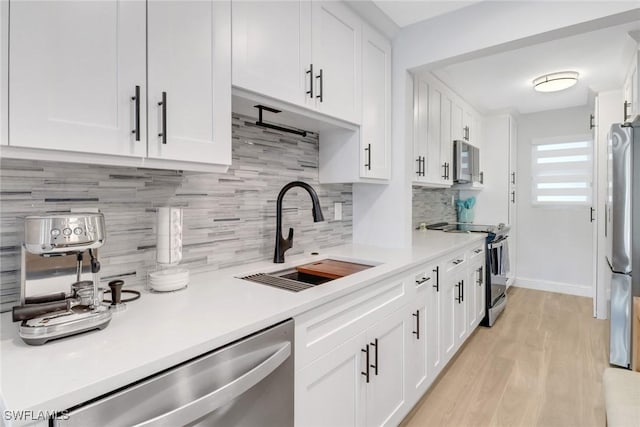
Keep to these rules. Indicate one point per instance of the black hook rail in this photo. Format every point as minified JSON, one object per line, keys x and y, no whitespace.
{"x":260,"y":122}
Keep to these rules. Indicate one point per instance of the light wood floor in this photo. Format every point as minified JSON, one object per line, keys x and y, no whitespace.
{"x":540,"y":365}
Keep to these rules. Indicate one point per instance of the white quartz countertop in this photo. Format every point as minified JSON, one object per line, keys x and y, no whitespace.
{"x":159,"y":331}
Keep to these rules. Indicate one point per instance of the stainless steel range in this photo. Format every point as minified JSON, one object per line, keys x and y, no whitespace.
{"x":497,"y":263}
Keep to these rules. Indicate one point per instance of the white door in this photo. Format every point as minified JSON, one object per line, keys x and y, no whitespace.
{"x":513,"y":201}
{"x":386,"y":393}
{"x":444,"y":171}
{"x":74,"y":67}
{"x":272,"y":48}
{"x":337,"y":59}
{"x":189,"y":81}
{"x":448,"y":310}
{"x":376,"y":106}
{"x":417,"y":372}
{"x":420,"y":127}
{"x":433,"y":160}
{"x":436,"y":331}
{"x":332,"y":390}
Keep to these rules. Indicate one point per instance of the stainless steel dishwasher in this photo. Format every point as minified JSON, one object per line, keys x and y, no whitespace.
{"x":246,"y":383}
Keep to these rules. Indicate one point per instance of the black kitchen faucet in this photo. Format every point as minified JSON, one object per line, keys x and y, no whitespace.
{"x":283,"y":244}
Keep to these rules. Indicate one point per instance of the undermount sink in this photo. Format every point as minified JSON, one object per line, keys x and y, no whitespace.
{"x":308,"y":275}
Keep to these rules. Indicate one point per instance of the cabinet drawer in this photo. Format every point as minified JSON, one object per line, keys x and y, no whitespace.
{"x":459,"y":260}
{"x":324,"y":328}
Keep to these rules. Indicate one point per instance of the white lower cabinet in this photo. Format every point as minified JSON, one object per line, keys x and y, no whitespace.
{"x":331,"y":390}
{"x":367,"y":358}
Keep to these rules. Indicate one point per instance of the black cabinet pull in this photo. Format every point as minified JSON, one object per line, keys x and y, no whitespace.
{"x":444,"y":166}
{"x":136,"y":129}
{"x":592,"y":211}
{"x":419,"y":165}
{"x":423,"y":168}
{"x":437,"y":285}
{"x":163,"y":104}
{"x":462,"y":290}
{"x":421,"y":281}
{"x":417,"y":331}
{"x":591,"y":121}
{"x":480,"y":281}
{"x":447,"y":170}
{"x":513,"y":178}
{"x":481,"y":177}
{"x":366,"y":372}
{"x":375,"y":367}
{"x":513,"y":196}
{"x":310,"y":72}
{"x":320,"y":76}
{"x":626,"y":108}
{"x":459,"y":297}
{"x":368,"y":150}
{"x":466,"y":133}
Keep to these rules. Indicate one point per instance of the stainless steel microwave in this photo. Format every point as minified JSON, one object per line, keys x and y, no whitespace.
{"x":466,"y":163}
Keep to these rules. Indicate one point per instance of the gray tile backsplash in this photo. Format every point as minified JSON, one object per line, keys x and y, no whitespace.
{"x":433,"y":205}
{"x":229,"y":219}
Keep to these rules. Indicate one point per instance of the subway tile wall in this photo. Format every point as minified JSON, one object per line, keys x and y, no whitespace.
{"x":229,"y":219}
{"x":433,"y":205}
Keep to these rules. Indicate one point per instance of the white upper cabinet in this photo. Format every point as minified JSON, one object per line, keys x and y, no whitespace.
{"x":189,"y":92}
{"x":272,"y":48}
{"x":74,"y":70}
{"x":376,"y":102}
{"x":336,"y":34}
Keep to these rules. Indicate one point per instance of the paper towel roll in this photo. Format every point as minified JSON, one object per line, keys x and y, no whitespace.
{"x":169,"y":235}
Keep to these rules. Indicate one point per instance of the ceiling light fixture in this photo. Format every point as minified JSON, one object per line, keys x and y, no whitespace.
{"x":555,"y":81}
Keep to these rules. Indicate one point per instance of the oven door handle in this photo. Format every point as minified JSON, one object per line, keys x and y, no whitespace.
{"x":221,"y":396}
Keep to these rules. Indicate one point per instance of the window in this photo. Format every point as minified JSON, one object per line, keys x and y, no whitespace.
{"x":562,"y":171}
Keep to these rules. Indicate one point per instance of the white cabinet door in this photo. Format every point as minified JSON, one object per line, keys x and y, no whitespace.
{"x":74,"y":69}
{"x":418,"y":346}
{"x":437,"y":317}
{"x":420,"y":127}
{"x":332,"y":390}
{"x":448,"y":310}
{"x":376,"y":106}
{"x":189,"y":48}
{"x":457,"y":122}
{"x":433,"y":160}
{"x":337,"y":58}
{"x":272,"y":48}
{"x":386,"y":398}
{"x":460,"y":310}
{"x":445,"y":168}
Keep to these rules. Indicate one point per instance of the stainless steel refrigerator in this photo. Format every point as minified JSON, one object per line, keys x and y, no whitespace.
{"x":624,"y":210}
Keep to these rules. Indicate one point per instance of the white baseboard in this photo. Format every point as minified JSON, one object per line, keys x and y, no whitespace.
{"x":545,"y":285}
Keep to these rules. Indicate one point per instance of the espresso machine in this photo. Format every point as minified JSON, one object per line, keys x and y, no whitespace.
{"x":59,"y":278}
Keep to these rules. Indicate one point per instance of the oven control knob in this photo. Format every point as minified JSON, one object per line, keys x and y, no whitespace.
{"x":77,"y":231}
{"x":55,"y":232}
{"x":66,"y":231}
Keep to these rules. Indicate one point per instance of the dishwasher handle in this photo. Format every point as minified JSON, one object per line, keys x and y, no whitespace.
{"x":221,"y":396}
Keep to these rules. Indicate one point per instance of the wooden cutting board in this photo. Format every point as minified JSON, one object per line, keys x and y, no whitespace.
{"x":331,"y":268}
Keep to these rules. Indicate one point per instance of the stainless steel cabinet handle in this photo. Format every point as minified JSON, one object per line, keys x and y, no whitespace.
{"x":417,"y":331}
{"x":437,"y":285}
{"x":626,"y":108}
{"x":163,"y":104}
{"x":222,"y":395}
{"x":310,"y":72}
{"x":366,"y":372}
{"x":136,"y":129}
{"x":375,"y":367}
{"x":321,"y":78}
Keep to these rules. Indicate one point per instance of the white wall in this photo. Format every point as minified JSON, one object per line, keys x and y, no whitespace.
{"x":382,"y":214}
{"x":555,"y":247}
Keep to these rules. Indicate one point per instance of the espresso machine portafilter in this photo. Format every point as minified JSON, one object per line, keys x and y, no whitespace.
{"x":59,"y":280}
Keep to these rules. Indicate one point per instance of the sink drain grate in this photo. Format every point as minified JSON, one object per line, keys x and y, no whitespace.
{"x":278,"y":282}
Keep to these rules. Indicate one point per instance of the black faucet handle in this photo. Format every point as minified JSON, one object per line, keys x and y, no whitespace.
{"x":290,"y":237}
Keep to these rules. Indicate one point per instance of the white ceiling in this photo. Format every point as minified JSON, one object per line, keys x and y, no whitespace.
{"x":502,"y":82}
{"x":407,"y":12}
